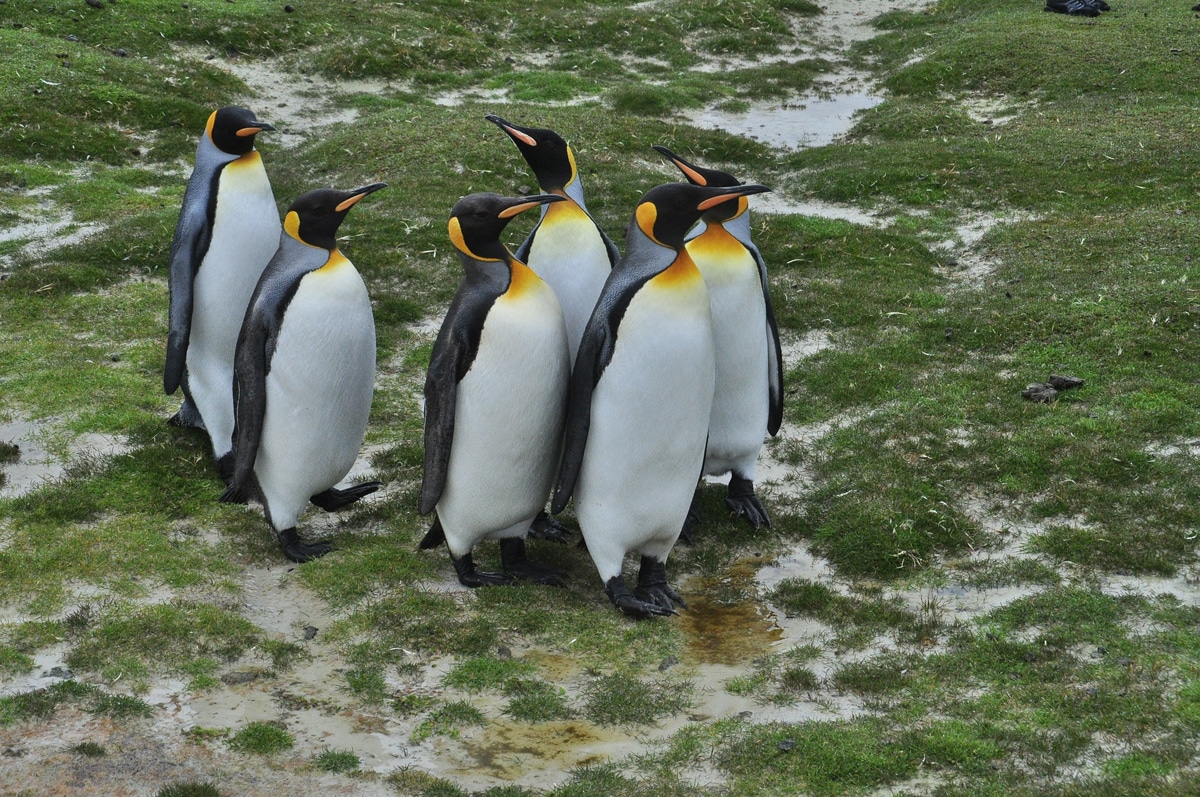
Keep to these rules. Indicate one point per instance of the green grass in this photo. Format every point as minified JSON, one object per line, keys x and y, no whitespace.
{"x":262,"y":738}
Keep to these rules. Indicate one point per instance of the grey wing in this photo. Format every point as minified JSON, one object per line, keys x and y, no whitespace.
{"x":256,"y":342}
{"x":614,"y":254}
{"x":579,"y":410}
{"x":441,"y":390}
{"x":192,"y":236}
{"x":453,"y":353}
{"x":774,"y":350}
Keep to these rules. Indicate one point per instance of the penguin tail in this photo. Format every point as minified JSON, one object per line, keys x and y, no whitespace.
{"x":434,"y":537}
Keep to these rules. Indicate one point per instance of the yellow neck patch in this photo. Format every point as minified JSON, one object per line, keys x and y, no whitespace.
{"x":336,"y":259}
{"x":208,"y":127}
{"x":523,"y":280}
{"x":456,"y":238}
{"x":682,"y":273}
{"x":646,"y":214}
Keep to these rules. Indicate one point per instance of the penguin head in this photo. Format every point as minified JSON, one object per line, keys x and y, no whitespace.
{"x":546,"y":152}
{"x":477,"y":221}
{"x":698,"y":175}
{"x":232,"y":129}
{"x":667,"y":212}
{"x":314,"y":217}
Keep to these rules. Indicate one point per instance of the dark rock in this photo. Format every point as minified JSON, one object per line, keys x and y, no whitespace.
{"x":239,"y":677}
{"x":786,"y":745}
{"x":59,"y":672}
{"x":1030,"y":657}
{"x":12,"y":752}
{"x":1040,"y":392}
{"x":667,"y":663}
{"x":310,"y":632}
{"x":1062,"y":382}
{"x":288,"y":9}
{"x":121,"y":52}
{"x":71,"y":37}
{"x":504,"y":652}
{"x":95,"y":3}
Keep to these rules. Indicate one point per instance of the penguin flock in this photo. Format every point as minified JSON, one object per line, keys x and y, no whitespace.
{"x":563,"y":372}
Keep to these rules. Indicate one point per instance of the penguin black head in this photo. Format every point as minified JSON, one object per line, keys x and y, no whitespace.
{"x":698,"y":175}
{"x":314,"y":217}
{"x":477,"y":221}
{"x":233,"y":129}
{"x":546,"y":152}
{"x":667,"y":212}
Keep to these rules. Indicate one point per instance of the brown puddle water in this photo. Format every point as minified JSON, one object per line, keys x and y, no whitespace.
{"x":510,"y":751}
{"x":723,"y":623}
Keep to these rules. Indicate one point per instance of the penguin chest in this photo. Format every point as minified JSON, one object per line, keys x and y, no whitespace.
{"x":320,"y":378}
{"x":741,"y":344}
{"x":245,"y":235}
{"x":649,"y":414}
{"x":569,"y":253}
{"x":509,"y":413}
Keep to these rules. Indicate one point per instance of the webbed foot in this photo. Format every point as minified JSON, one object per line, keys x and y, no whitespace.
{"x":468,"y":576}
{"x":298,"y":550}
{"x":333,"y":499}
{"x":225,"y":467}
{"x":742,"y":501}
{"x":652,"y":586}
{"x":631,"y":604}
{"x":545,"y":527}
{"x":518,"y":565}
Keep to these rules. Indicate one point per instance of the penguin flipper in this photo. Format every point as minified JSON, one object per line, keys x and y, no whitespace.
{"x":774,"y":350}
{"x":333,"y":499}
{"x":250,"y":364}
{"x":193,"y":233}
{"x":453,"y":352}
{"x":434,"y":537}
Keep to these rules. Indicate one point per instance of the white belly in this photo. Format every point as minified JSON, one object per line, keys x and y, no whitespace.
{"x":741,"y":398}
{"x":571,"y":257}
{"x":245,"y":235}
{"x":509,"y":415}
{"x":319,"y":390}
{"x":645,"y":445}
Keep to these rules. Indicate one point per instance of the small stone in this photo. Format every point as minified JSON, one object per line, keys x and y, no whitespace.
{"x":114,"y":357}
{"x":1030,"y":657}
{"x":288,"y":9}
{"x":59,"y":672}
{"x":239,"y":677}
{"x":1063,"y":382}
{"x":1124,"y":661}
{"x":1040,"y":392}
{"x":12,"y":752}
{"x":71,"y":37}
{"x":786,"y":745}
{"x":121,"y":52}
{"x":310,"y":632}
{"x":95,"y":3}
{"x":504,"y":652}
{"x":667,"y":663}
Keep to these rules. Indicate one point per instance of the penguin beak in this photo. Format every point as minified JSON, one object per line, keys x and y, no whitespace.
{"x":730,"y":193}
{"x":694,"y":177}
{"x":528,"y":203}
{"x":357,"y":194}
{"x":260,"y":127}
{"x":513,"y":131}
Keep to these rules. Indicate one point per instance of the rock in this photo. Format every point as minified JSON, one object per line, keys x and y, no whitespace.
{"x":310,"y":632}
{"x":1040,"y":392}
{"x":95,"y":3}
{"x":667,"y":663}
{"x":1062,"y":382}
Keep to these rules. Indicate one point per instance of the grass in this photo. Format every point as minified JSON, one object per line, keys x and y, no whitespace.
{"x":927,"y":480}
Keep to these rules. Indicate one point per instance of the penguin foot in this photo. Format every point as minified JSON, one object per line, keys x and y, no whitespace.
{"x":468,"y":576}
{"x":333,"y":499}
{"x":631,"y":604}
{"x":545,"y":527}
{"x":741,"y":500}
{"x":652,"y":585}
{"x":298,"y":550}
{"x":225,"y":467}
{"x":520,"y":566}
{"x":693,"y":517}
{"x":188,"y":417}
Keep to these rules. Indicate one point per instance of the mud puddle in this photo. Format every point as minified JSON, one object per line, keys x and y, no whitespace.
{"x":38,"y":462}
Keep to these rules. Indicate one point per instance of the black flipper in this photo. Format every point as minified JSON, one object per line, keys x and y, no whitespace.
{"x":545,"y":527}
{"x":774,"y":350}
{"x":333,"y":499}
{"x":434,"y":537}
{"x":188,"y":416}
{"x":193,"y":233}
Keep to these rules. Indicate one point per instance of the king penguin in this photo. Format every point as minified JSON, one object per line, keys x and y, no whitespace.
{"x":495,"y":398}
{"x":228,"y":230}
{"x":566,"y":248}
{"x":304,"y":373}
{"x":640,"y":398}
{"x":748,"y":398}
